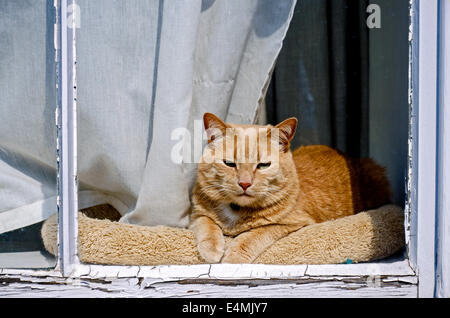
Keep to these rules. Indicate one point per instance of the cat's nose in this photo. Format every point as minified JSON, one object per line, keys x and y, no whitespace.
{"x":244,"y":185}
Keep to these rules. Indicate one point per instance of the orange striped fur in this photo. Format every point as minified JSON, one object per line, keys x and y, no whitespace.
{"x":260,"y":201}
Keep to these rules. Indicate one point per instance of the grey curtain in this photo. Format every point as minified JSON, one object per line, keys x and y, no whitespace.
{"x":27,"y":113}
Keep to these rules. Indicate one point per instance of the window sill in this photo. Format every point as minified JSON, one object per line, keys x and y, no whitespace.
{"x":388,"y":278}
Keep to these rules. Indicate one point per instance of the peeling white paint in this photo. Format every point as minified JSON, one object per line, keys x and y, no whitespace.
{"x":396,"y":268}
{"x":27,"y":286}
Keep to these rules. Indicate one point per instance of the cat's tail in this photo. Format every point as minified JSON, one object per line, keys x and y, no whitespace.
{"x":373,"y":184}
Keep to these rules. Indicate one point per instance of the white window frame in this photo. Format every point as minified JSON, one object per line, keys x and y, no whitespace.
{"x":411,"y":277}
{"x":423,"y":142}
{"x":67,"y":137}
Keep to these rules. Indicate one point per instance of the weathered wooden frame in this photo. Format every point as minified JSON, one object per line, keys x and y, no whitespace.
{"x":67,"y":138}
{"x":422,"y":183}
{"x":399,"y":278}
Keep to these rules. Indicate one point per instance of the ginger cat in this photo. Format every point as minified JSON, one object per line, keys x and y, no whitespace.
{"x":258,"y":196}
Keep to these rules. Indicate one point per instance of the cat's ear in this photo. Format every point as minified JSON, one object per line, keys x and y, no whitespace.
{"x":214,"y":126}
{"x":286,"y":132}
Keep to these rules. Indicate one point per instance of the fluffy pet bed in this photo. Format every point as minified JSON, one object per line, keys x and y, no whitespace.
{"x":365,"y":236}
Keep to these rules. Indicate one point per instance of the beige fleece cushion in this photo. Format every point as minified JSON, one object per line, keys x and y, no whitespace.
{"x":365,"y":236}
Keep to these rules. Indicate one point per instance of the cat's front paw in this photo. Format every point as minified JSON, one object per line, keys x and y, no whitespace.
{"x":234,"y":256}
{"x":211,"y":250}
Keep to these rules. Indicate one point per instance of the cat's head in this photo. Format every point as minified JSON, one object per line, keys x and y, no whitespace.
{"x":247,"y":165}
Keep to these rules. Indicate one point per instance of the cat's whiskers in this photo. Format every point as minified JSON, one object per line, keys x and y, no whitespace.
{"x":272,"y":198}
{"x":219,"y":192}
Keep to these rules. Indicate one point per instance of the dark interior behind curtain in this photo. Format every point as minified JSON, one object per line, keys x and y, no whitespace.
{"x":321,"y":75}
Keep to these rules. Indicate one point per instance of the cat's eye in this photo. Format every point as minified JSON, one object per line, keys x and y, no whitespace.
{"x":263,"y":165}
{"x":230,"y":163}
